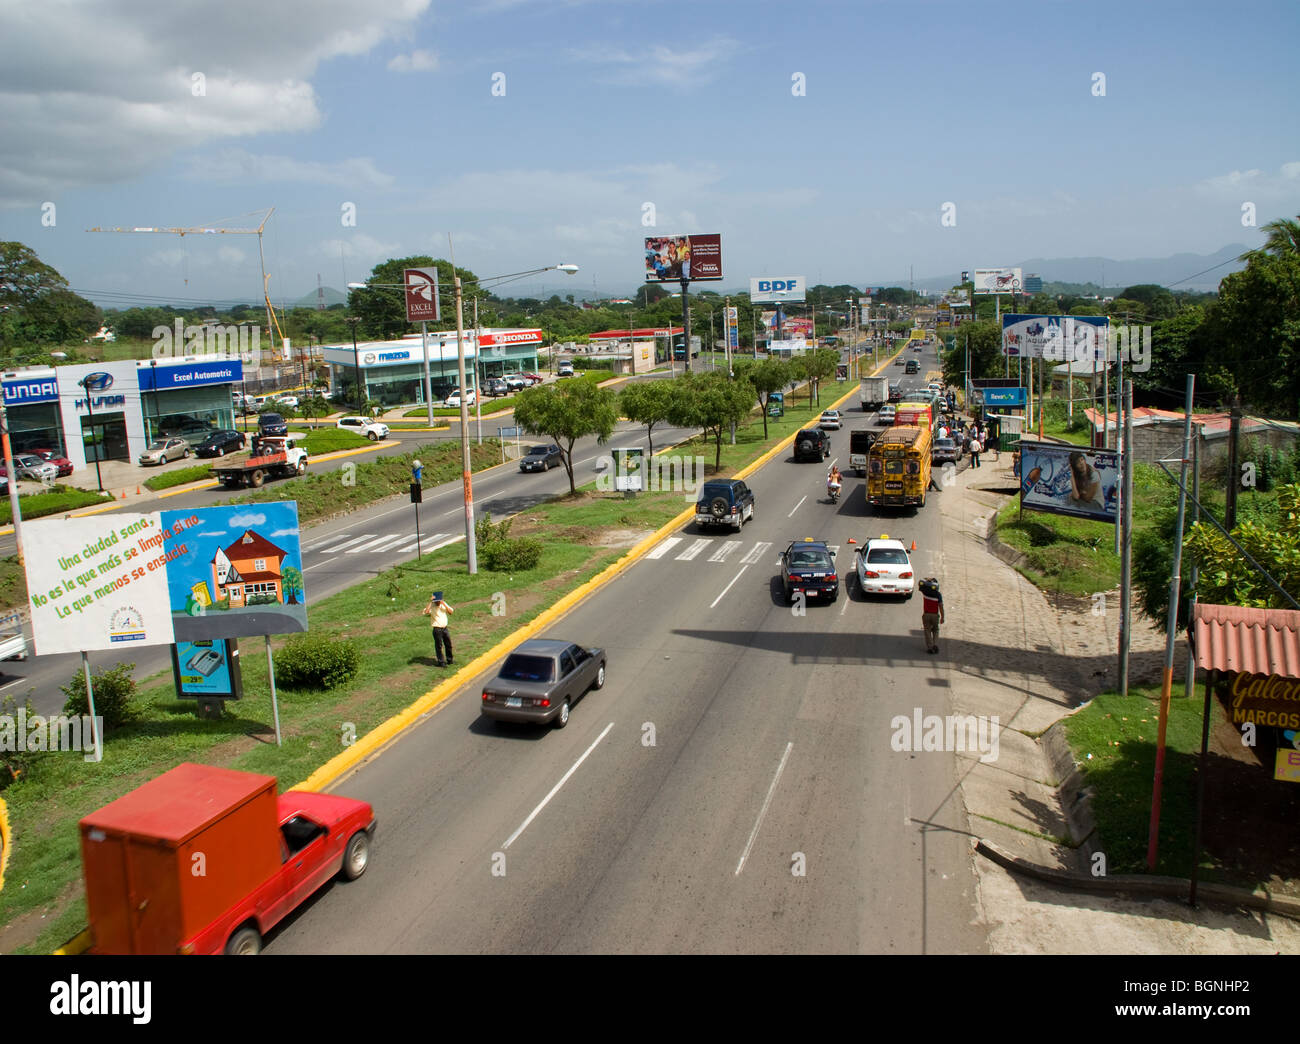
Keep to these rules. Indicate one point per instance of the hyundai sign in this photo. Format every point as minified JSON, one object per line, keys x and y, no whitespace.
{"x":776,"y":291}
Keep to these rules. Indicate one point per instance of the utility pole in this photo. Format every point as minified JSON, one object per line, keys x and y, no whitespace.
{"x":1125,"y":525}
{"x":1171,"y":630}
{"x":1234,"y":467}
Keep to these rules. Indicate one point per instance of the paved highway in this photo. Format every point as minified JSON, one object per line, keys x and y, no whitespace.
{"x":346,"y":550}
{"x":732,"y":788}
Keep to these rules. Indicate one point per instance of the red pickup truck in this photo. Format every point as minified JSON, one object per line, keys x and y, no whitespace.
{"x":208,"y":860}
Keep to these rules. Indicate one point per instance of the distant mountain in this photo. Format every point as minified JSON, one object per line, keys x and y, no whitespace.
{"x":1162,"y":271}
{"x":332,"y":297}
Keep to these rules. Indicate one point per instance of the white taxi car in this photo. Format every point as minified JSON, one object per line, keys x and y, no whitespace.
{"x":884,"y":568}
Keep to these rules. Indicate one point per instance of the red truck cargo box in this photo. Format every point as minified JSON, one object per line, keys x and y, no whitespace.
{"x":163,"y":861}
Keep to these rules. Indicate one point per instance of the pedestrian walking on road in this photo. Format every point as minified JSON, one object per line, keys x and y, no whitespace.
{"x":975,"y":449}
{"x":931,"y":612}
{"x":439,"y":610}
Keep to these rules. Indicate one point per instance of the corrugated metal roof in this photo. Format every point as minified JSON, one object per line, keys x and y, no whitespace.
{"x":1239,"y":638}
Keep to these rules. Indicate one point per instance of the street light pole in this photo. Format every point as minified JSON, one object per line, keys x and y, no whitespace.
{"x":352,"y":321}
{"x":471,"y":552}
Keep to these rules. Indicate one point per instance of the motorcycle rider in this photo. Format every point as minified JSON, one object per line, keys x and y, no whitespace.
{"x":834,"y":480}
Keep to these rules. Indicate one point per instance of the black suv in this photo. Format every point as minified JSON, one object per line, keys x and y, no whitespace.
{"x":808,"y":566}
{"x":812,"y":444}
{"x":724,"y":502}
{"x":272,"y":424}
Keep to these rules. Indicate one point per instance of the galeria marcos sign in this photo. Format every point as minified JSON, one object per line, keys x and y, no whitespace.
{"x":1266,"y":699}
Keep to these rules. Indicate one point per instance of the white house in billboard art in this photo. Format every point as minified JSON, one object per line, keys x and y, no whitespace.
{"x":250,"y":567}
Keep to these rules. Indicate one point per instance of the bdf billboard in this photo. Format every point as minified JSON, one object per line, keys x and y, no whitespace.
{"x":776,"y":291}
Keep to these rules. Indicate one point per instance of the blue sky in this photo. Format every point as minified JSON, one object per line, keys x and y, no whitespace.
{"x":609,"y":105}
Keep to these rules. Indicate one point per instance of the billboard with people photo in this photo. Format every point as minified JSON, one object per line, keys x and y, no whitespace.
{"x":672,"y":258}
{"x":1069,"y":480}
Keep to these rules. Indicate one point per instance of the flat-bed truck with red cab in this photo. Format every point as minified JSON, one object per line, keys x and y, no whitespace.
{"x":269,"y":456}
{"x":208,"y":860}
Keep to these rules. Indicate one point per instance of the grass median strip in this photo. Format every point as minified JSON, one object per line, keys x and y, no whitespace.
{"x":42,"y":904}
{"x":58,"y":500}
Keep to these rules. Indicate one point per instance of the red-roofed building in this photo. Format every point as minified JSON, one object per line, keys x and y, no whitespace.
{"x":250,"y":567}
{"x":1158,"y":434}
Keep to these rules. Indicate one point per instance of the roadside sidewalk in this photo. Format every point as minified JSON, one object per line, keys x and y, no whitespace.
{"x":1008,"y":652}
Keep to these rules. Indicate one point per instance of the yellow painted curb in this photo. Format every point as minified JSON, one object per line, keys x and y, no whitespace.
{"x":79,"y":943}
{"x":375,"y":739}
{"x":4,"y":841}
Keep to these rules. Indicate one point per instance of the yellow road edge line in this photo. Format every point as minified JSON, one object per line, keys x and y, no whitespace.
{"x":4,"y":841}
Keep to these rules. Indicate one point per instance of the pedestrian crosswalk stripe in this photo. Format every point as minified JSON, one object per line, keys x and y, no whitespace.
{"x":367,"y":543}
{"x":759,"y":550}
{"x":664,"y":547}
{"x":689,"y":554}
{"x":387,"y":545}
{"x":347,"y":543}
{"x":720,"y":555}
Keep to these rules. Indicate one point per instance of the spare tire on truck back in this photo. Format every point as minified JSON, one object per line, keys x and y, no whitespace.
{"x":718,"y":507}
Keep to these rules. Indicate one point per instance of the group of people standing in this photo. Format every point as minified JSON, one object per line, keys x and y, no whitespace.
{"x":973,"y":438}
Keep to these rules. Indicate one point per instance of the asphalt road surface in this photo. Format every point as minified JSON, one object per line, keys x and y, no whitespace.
{"x":344,"y":551}
{"x":733,"y":788}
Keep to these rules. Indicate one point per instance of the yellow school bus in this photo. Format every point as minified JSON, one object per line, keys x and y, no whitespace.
{"x":898,"y":468}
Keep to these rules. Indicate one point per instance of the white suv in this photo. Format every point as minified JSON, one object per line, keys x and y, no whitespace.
{"x":373,"y":430}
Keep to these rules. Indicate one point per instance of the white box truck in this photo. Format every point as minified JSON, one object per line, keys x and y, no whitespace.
{"x":875,"y":392}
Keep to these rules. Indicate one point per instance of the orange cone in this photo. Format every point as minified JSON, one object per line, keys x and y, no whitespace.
{"x":123,"y":494}
{"x":913,"y":545}
{"x":137,"y":491}
{"x":852,"y":541}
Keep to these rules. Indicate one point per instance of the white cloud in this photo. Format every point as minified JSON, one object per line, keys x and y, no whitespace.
{"x":416,"y":61}
{"x":1257,"y":181}
{"x":284,"y":532}
{"x":79,"y":81}
{"x":248,"y":521}
{"x":237,"y":166}
{"x":665,"y":65}
{"x":232,"y":255}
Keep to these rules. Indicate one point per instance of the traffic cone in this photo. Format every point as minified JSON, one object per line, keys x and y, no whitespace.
{"x":913,"y":545}
{"x":137,"y":491}
{"x":852,"y":541}
{"x":123,"y":494}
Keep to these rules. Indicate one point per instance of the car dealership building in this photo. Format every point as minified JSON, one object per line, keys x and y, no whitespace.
{"x":128,"y":405}
{"x":392,"y":372}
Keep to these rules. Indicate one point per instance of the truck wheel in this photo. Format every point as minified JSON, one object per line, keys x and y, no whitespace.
{"x":257,"y":478}
{"x":374,"y":436}
{"x":356,"y":857}
{"x":302,"y":466}
{"x":244,"y":943}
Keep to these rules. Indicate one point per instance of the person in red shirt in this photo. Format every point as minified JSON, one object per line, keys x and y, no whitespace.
{"x":931,"y":612}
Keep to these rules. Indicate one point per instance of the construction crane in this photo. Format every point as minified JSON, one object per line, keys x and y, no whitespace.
{"x":199,"y":230}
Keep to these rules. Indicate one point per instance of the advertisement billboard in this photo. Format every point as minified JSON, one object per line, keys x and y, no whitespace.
{"x":672,"y":258}
{"x":1005,"y":397}
{"x":1069,"y":480}
{"x":124,"y":580}
{"x":207,"y":669}
{"x":775,"y":291}
{"x":1056,"y":338}
{"x":998,"y":280}
{"x":421,"y":292}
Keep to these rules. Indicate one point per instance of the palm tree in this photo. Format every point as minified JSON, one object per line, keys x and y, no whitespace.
{"x":1283,"y":240}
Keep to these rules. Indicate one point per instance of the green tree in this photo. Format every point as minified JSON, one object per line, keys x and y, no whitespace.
{"x":1283,"y":240}
{"x":711,"y":402}
{"x":291,"y":579}
{"x":648,"y":403}
{"x":1253,"y":331}
{"x":59,"y":317}
{"x":766,"y":377}
{"x":817,"y":366}
{"x":382,"y":308}
{"x":24,"y":277}
{"x":1155,"y":301}
{"x":567,"y":411}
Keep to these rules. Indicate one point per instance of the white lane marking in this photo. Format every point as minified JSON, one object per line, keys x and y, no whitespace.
{"x":556,"y":789}
{"x":16,"y":681}
{"x":796,"y":507}
{"x":691,"y":552}
{"x":753,"y":834}
{"x":346,"y":543}
{"x":664,"y":547}
{"x":368,"y":543}
{"x":425,"y":540}
{"x":760,"y":549}
{"x":846,"y":599}
{"x":387,"y":545}
{"x":720,"y":555}
{"x":728,"y":587}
